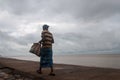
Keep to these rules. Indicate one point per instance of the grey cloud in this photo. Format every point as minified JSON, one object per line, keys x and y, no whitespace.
{"x":5,"y":44}
{"x":78,"y":9}
{"x":96,"y":24}
{"x":16,"y":46}
{"x":93,"y":38}
{"x":21,"y":7}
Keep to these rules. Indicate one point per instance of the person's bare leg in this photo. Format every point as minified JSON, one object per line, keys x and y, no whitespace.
{"x":40,"y":70}
{"x":52,"y":71}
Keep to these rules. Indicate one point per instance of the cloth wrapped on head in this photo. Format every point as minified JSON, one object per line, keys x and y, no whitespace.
{"x":45,"y":27}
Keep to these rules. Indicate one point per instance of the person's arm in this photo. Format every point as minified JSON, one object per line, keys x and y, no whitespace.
{"x":40,"y":41}
{"x":52,"y":39}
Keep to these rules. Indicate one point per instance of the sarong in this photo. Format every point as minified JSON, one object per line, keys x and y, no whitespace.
{"x":46,"y":57}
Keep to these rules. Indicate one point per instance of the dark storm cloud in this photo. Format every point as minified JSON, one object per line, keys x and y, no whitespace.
{"x":81,"y":25}
{"x":90,"y":9}
{"x":78,"y":9}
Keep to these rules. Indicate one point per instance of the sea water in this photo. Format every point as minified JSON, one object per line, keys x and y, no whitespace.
{"x":92,"y":60}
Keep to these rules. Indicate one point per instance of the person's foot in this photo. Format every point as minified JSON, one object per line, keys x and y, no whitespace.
{"x":39,"y":72}
{"x":52,"y":74}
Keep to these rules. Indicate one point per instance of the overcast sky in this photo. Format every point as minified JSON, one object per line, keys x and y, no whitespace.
{"x":78,"y":26}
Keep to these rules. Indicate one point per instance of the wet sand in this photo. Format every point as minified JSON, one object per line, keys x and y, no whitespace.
{"x":63,"y":72}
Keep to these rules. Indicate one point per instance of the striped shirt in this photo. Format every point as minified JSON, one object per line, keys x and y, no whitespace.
{"x":47,"y":39}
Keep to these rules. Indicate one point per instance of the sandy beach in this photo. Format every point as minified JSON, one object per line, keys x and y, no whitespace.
{"x":63,"y":72}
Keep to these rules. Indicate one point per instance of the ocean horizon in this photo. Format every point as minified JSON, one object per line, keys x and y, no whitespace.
{"x":91,"y":60}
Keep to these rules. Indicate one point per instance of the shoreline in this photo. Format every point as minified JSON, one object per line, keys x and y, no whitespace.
{"x":71,"y":72}
{"x":93,"y":60}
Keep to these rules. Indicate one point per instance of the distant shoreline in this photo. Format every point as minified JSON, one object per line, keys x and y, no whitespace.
{"x":93,"y":60}
{"x":64,"y":55}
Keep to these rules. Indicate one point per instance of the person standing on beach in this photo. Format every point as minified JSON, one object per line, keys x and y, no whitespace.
{"x":46,"y":50}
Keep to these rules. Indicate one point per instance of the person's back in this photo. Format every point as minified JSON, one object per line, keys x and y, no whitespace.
{"x":46,"y":50}
{"x":47,"y":39}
